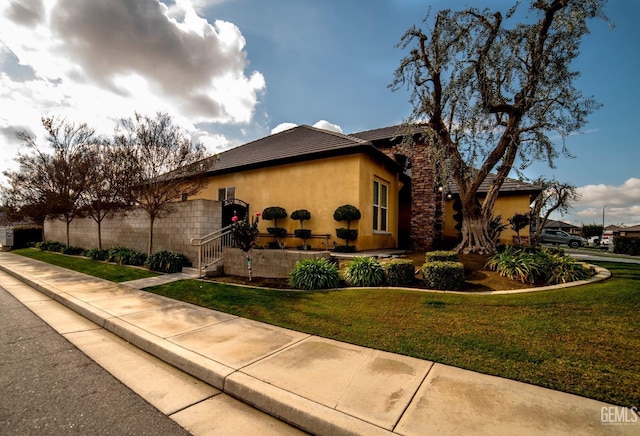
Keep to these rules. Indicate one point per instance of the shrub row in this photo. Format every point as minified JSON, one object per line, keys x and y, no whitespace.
{"x":535,"y":265}
{"x":443,"y":275}
{"x":626,"y":245}
{"x":363,"y":272}
{"x":162,"y":261}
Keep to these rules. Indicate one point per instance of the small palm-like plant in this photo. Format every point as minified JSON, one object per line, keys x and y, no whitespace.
{"x":365,"y":272}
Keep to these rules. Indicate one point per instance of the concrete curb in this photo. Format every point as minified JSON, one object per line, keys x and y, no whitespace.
{"x":300,"y":412}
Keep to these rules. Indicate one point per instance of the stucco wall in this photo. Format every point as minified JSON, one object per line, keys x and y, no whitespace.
{"x":506,"y":205}
{"x":320,"y":186}
{"x":190,"y":219}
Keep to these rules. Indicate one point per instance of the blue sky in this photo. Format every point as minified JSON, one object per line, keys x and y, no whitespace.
{"x":233,"y":71}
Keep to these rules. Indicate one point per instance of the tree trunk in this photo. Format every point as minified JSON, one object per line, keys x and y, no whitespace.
{"x":68,"y":222}
{"x":151,"y":221}
{"x":475,"y":235}
{"x":100,"y":235}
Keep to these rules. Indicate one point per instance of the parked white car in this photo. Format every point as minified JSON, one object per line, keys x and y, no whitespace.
{"x":607,"y":238}
{"x":593,"y":241}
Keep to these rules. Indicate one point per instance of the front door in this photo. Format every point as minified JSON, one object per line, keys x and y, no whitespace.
{"x":233,"y":207}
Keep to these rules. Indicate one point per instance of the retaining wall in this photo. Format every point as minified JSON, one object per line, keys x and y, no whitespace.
{"x":266,"y":263}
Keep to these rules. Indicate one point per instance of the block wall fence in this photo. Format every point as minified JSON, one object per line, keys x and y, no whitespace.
{"x":189,"y":219}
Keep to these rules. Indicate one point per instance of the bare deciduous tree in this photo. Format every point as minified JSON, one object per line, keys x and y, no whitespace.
{"x":109,"y":181}
{"x":50,"y":183}
{"x":166,"y":163}
{"x":490,"y":94}
{"x":555,"y":196}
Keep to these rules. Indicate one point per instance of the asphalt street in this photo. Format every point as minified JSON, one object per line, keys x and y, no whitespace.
{"x":49,"y":387}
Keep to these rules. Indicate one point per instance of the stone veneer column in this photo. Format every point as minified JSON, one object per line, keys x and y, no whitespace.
{"x":423,"y":201}
{"x":427,"y":208}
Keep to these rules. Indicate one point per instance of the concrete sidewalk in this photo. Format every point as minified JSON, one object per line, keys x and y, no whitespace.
{"x":318,"y":385}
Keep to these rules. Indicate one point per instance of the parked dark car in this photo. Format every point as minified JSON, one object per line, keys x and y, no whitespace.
{"x":557,"y":237}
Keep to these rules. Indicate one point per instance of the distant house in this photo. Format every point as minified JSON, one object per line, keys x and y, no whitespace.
{"x":631,"y":231}
{"x":561,"y":225}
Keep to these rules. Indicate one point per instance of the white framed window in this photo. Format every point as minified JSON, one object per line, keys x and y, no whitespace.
{"x":380,"y":206}
{"x":228,"y":193}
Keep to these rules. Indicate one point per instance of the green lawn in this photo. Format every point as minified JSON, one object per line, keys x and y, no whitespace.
{"x":583,"y":340}
{"x":107,"y":271}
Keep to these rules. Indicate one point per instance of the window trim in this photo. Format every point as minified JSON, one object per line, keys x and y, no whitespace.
{"x":380,"y":202}
{"x":227,"y":190}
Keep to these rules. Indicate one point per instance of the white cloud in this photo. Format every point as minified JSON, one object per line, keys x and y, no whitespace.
{"x":96,"y":61}
{"x":322,"y":124}
{"x":621,"y":204}
{"x":282,"y":127}
{"x":326,"y":125}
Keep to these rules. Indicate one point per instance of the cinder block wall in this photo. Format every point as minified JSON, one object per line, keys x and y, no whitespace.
{"x":266,"y":263}
{"x":190,"y":219}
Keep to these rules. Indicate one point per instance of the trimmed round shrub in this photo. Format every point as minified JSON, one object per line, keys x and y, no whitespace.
{"x":274,"y":213}
{"x":314,"y":273}
{"x":302,"y":233}
{"x":301,"y":215}
{"x":347,"y":234}
{"x":364,"y":272}
{"x":277,"y":231}
{"x":441,"y":256}
{"x":165,"y":261}
{"x":399,"y":272}
{"x":347,"y":213}
{"x":443,"y":275}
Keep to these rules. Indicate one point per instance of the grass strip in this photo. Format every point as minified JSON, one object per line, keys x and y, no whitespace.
{"x":103,"y":270}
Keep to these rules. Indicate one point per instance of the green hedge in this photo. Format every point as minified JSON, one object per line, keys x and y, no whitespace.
{"x":626,"y":245}
{"x":441,"y":256}
{"x":444,"y":275}
{"x":399,"y":272}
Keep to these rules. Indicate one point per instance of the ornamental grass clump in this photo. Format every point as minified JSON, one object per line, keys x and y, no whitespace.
{"x":165,"y":261}
{"x":314,"y":273}
{"x":126,"y":256}
{"x":364,"y":272}
{"x":537,"y":266}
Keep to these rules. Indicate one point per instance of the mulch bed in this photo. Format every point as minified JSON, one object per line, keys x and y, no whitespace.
{"x":478,"y":278}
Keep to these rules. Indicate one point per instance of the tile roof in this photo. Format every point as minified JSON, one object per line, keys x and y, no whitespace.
{"x":509,"y":185}
{"x":389,"y":133}
{"x":300,"y":143}
{"x":553,"y":224}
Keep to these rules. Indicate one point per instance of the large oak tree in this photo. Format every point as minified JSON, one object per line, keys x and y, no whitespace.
{"x":492,"y":92}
